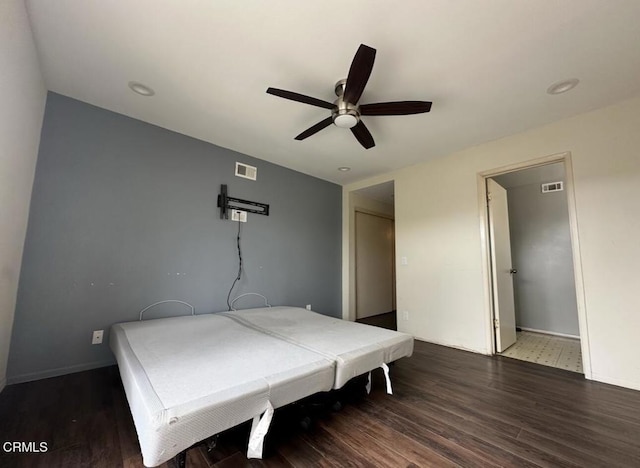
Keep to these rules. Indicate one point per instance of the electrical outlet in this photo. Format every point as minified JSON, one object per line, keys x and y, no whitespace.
{"x":404,"y":261}
{"x":405,"y":315}
{"x":308,"y":306}
{"x":239,"y":215}
{"x":97,"y":337}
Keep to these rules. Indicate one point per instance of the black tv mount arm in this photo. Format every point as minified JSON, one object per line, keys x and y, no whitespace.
{"x":224,"y":203}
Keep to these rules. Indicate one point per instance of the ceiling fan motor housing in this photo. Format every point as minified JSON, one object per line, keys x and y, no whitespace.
{"x":344,"y":114}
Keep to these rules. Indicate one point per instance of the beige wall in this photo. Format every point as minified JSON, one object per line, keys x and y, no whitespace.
{"x":22,"y":94}
{"x":438,"y":229}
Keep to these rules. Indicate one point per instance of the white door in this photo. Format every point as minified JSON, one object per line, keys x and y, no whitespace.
{"x":375,"y":279}
{"x":503,"y":302}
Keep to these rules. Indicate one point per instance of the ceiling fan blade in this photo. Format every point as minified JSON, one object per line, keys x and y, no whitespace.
{"x":315,"y":129}
{"x":395,"y":108}
{"x":300,"y":98}
{"x":359,"y":73}
{"x":362,"y":134}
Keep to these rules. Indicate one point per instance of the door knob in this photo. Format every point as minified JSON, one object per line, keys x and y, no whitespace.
{"x":513,"y":271}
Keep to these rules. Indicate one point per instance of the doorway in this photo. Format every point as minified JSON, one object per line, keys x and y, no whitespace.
{"x":534,"y":301}
{"x":374,"y":255}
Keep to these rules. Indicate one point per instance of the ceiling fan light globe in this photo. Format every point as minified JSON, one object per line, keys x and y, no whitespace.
{"x":345,"y":121}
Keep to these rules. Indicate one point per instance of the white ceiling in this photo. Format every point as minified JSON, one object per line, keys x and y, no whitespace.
{"x":485,"y":64}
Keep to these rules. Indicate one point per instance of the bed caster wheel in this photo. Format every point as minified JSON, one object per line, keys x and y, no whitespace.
{"x":305,"y":423}
{"x":337,"y":406}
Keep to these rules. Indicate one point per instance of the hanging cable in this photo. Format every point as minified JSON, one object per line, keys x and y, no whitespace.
{"x":239,"y":275}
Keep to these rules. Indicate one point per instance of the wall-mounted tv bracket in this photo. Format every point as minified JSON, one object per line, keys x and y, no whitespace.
{"x":225,"y":204}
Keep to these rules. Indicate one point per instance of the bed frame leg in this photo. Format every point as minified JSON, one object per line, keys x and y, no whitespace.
{"x":180,"y":460}
{"x":211,"y":443}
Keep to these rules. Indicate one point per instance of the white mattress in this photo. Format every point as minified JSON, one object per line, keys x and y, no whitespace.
{"x":188,"y":378}
{"x":356,"y":348}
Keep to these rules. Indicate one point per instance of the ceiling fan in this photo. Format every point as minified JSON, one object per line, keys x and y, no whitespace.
{"x":345,"y":111}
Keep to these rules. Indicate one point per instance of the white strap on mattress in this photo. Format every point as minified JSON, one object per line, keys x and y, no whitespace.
{"x":385,"y":368}
{"x":259,"y":429}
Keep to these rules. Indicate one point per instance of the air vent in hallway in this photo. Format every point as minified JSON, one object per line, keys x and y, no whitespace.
{"x":552,"y":187}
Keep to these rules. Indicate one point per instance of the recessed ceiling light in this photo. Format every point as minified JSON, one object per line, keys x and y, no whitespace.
{"x":141,"y":89}
{"x":344,"y":169}
{"x":563,"y":86}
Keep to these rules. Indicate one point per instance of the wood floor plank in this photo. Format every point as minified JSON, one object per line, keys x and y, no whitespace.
{"x":593,"y":441}
{"x":511,"y":407}
{"x":334,"y":450}
{"x":485,"y":429}
{"x":412,"y":428}
{"x":390,"y":439}
{"x":298,"y":453}
{"x":560,"y":450}
{"x":362,"y":442}
{"x":102,"y":438}
{"x":449,"y":408}
{"x":485,"y":448}
{"x":236,"y":460}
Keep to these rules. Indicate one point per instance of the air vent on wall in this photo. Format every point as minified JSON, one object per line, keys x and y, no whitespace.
{"x":552,"y":187}
{"x":246,"y":171}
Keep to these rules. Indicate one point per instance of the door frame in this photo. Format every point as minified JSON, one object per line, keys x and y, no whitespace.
{"x":565,"y":158}
{"x":356,"y":210}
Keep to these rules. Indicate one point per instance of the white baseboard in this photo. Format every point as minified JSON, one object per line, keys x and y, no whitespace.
{"x":546,"y":332}
{"x":615,"y":381}
{"x":449,"y":345}
{"x":30,"y":376}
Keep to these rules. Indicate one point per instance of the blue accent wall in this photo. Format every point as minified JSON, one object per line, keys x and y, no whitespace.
{"x":123,"y":214}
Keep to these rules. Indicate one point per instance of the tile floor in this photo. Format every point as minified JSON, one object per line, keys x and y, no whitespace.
{"x":548,"y":350}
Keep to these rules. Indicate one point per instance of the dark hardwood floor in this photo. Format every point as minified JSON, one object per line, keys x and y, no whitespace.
{"x":387,"y":320}
{"x":449,"y":408}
